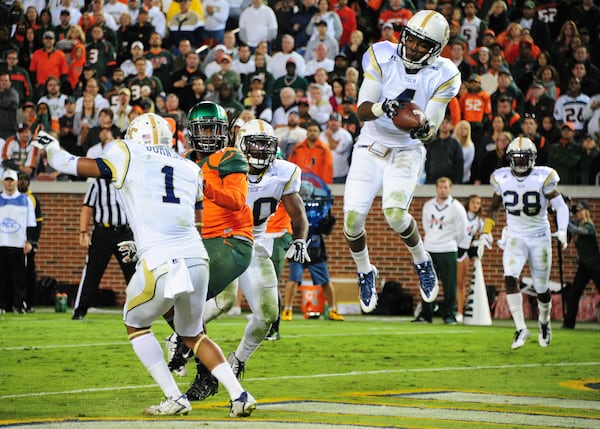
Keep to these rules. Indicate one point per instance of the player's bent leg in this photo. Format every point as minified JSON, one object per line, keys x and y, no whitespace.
{"x":149,"y":352}
{"x":544,"y":326}
{"x":221,"y":303}
{"x":515,"y":305}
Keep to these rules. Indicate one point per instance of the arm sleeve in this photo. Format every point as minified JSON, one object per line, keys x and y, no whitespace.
{"x":230,"y":193}
{"x":562,"y":212}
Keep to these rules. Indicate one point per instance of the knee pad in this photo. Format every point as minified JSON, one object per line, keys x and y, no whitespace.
{"x":510,"y":284}
{"x":354,"y":225}
{"x":398,"y":219}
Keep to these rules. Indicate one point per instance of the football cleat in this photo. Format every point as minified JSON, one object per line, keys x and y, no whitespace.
{"x":287,"y":315}
{"x":367,"y":292}
{"x":334,"y":315}
{"x":521,"y":338}
{"x":242,"y":406}
{"x":177,"y":355}
{"x":236,"y":365}
{"x":170,"y":407}
{"x":203,"y":386}
{"x":273,"y":334}
{"x":544,"y":334}
{"x":428,"y":281}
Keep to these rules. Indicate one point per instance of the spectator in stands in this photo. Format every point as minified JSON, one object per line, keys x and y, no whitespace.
{"x":128,"y":66}
{"x":355,"y":49}
{"x":121,"y":110}
{"x":350,"y":121}
{"x":85,"y":118}
{"x":105,"y":121}
{"x":284,"y":12}
{"x":160,"y":59}
{"x":462,"y":134}
{"x":9,"y":103}
{"x":537,"y":28}
{"x":321,"y":37}
{"x":321,"y":78}
{"x":259,"y":107}
{"x":489,"y":80}
{"x":586,"y":15}
{"x":56,"y":12}
{"x":300,"y":22}
{"x":195,"y":94}
{"x":589,"y":86}
{"x":286,"y":104}
{"x":172,"y":110}
{"x":101,"y":54}
{"x":340,"y":142}
{"x":181,"y":80}
{"x":313,"y":155}
{"x":387,"y":33}
{"x":142,"y":27}
{"x":115,"y":9}
{"x":257,"y":23}
{"x":337,"y":96}
{"x":494,"y":159}
{"x":457,"y":56}
{"x":227,"y":74}
{"x":303,"y":116}
{"x":244,"y":64}
{"x":156,"y":17}
{"x":562,"y":46}
{"x":507,"y":88}
{"x":333,"y":24}
{"x":291,"y":134}
{"x":109,"y":31}
{"x":260,"y":66}
{"x":480,"y":60}
{"x":77,"y":55}
{"x":538,"y":103}
{"x":444,"y":155}
{"x":397,"y":14}
{"x":46,"y":62}
{"x":290,"y":79}
{"x":475,"y":106}
{"x":18,"y":153}
{"x":565,"y":154}
{"x":133,"y":9}
{"x":186,"y":24}
{"x":216,"y":13}
{"x":125,"y":38}
{"x":572,"y":107}
{"x":321,"y":60}
{"x":229,"y":101}
{"x":53,"y":98}
{"x":582,"y":229}
{"x":549,"y":78}
{"x":278,"y":64}
{"x":589,"y":166}
{"x":212,"y":64}
{"x":92,"y":87}
{"x":19,"y":77}
{"x":530,"y":130}
{"x":44,"y":23}
{"x":114,"y":86}
{"x":522,"y":70}
{"x":593,"y":112}
{"x":513,"y":119}
{"x":348,"y":20}
{"x":497,"y":17}
{"x":472,"y":27}
{"x":582,"y":55}
{"x":320,"y":109}
{"x":61,"y":30}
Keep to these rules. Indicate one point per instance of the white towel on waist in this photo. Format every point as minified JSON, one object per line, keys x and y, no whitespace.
{"x":178,"y":279}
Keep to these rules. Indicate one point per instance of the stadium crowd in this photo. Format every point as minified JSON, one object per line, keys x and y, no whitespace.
{"x":76,"y":67}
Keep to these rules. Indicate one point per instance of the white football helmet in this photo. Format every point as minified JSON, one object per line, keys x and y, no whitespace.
{"x":429,"y":27}
{"x":150,"y":129}
{"x":258,"y":142}
{"x":521,"y":154}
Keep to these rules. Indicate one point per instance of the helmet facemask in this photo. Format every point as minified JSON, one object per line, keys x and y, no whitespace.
{"x":427,"y":56}
{"x":208,"y":135}
{"x":521,"y":154}
{"x":260,"y":149}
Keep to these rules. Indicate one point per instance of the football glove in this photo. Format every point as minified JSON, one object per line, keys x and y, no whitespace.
{"x":43,"y":140}
{"x":389,"y":107}
{"x":128,"y":251}
{"x":502,"y":241}
{"x":487,"y":239}
{"x":422,"y":133}
{"x":298,"y":251}
{"x":561,"y":236}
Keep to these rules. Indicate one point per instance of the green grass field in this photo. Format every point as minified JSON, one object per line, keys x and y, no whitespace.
{"x":364,"y":372}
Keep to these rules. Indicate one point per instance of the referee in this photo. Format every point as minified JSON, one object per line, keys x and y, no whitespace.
{"x":110,"y":227}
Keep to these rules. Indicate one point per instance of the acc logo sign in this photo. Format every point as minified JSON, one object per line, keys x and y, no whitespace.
{"x":9,"y":226}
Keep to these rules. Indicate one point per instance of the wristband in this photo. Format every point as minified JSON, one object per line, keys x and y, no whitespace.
{"x":377,"y":109}
{"x":488,"y":225}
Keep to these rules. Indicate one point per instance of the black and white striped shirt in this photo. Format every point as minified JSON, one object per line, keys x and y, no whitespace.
{"x":101,"y":196}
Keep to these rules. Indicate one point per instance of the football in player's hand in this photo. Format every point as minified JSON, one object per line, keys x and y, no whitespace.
{"x":409,"y":116}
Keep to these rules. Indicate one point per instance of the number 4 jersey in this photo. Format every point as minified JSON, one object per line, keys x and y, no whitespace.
{"x":525,"y":198}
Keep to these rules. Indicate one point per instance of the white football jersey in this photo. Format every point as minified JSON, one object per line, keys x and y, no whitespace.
{"x":264,"y":193}
{"x":155,"y":184}
{"x":525,"y":198}
{"x":431,"y":88}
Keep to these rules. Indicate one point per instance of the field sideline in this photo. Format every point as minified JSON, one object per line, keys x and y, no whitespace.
{"x":365,"y":372}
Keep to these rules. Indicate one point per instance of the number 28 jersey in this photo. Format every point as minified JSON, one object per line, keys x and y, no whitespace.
{"x":525,"y":198}
{"x":264,"y":193}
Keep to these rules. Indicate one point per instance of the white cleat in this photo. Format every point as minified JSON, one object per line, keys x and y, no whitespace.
{"x":521,"y":338}
{"x":242,"y":406}
{"x":170,"y":407}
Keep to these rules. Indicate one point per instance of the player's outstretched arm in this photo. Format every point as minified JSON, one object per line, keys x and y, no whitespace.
{"x":63,"y":161}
